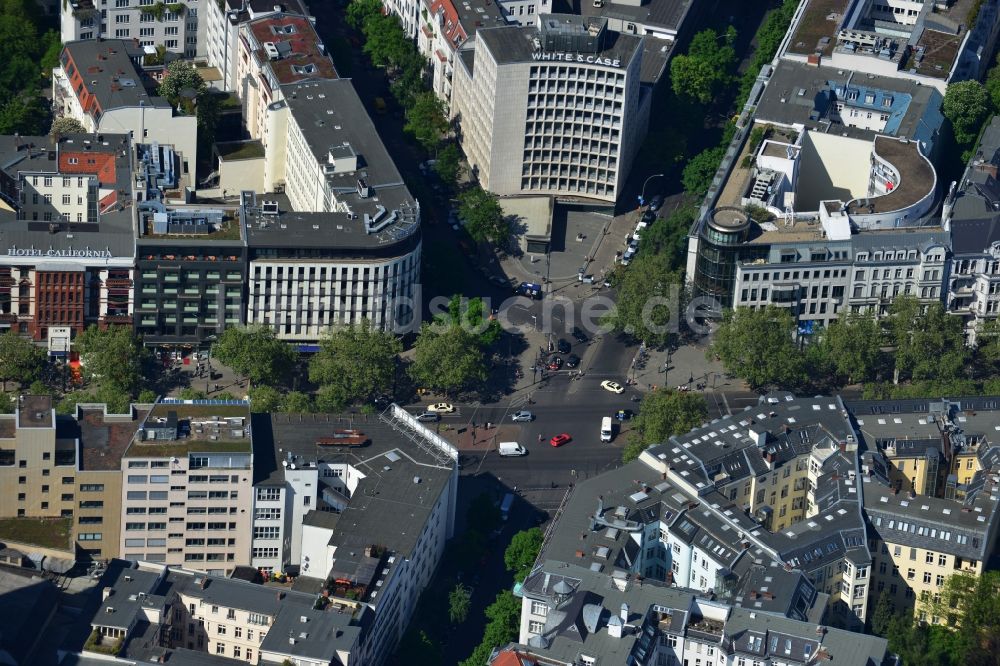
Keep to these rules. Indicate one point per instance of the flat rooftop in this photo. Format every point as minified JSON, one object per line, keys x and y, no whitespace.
{"x":299,"y":53}
{"x":104,"y":438}
{"x":409,"y":478}
{"x":817,"y":28}
{"x":801,"y":94}
{"x":197,"y":425}
{"x":35,"y":411}
{"x":916,"y":177}
{"x":515,"y":44}
{"x":666,"y":15}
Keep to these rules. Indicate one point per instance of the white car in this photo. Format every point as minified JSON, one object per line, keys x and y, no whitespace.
{"x":614,"y":387}
{"x":522,"y":417}
{"x":441,"y":408}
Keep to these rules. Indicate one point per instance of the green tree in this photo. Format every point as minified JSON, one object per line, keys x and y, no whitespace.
{"x":264,"y":399}
{"x":450,"y":361}
{"x":297,"y":402}
{"x":419,"y":648}
{"x":662,"y":414}
{"x":929,"y":344}
{"x":64,"y":126}
{"x":851,"y":345}
{"x":359,"y":11}
{"x":470,"y":314}
{"x":705,"y":69}
{"x":180,"y":76}
{"x":504,"y":616}
{"x":483,"y":216}
{"x":459,"y":602}
{"x":522,"y":552}
{"x":758,"y":346}
{"x":208,"y":111}
{"x":355,"y":363}
{"x":448,"y":164}
{"x":256,"y":353}
{"x":988,"y":342}
{"x":425,"y":120}
{"x":883,"y":614}
{"x":668,"y":238}
{"x":24,"y":114}
{"x":647,"y":294}
{"x":20,"y":359}
{"x":115,"y":355}
{"x":967,"y":105}
{"x":700,"y":171}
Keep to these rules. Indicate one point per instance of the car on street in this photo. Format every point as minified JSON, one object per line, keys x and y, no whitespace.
{"x":500,"y":281}
{"x":555,"y":363}
{"x":441,"y":407}
{"x":572,"y":361}
{"x":428,"y":416}
{"x":656,"y":203}
{"x":614,"y":387}
{"x":522,"y":417}
{"x":649,"y":217}
{"x":563,"y":347}
{"x":579,"y":335}
{"x":560,"y":439}
{"x":425,"y":167}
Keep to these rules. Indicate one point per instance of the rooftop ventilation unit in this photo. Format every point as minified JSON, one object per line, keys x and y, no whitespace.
{"x":272,"y":51}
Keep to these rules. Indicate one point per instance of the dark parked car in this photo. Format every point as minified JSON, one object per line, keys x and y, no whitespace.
{"x":563,"y":347}
{"x":579,"y":335}
{"x":649,"y":217}
{"x":656,"y":203}
{"x":572,"y":361}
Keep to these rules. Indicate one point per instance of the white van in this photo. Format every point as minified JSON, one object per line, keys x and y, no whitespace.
{"x":511,"y":449}
{"x":606,"y":429}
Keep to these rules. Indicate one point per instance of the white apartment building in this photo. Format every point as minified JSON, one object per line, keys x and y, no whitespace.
{"x":222,"y":30}
{"x":178,"y":26}
{"x":102,"y":84}
{"x":315,"y":512}
{"x":187,"y":487}
{"x":551,"y":110}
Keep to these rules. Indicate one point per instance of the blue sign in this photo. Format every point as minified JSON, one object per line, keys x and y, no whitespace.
{"x":806,"y":327}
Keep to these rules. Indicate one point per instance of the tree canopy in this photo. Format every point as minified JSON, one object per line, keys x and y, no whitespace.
{"x":355,"y":363}
{"x":448,"y":361}
{"x":114,"y":356}
{"x":852,"y":345}
{"x":256,"y":353}
{"x":705,"y":68}
{"x":522,"y":552}
{"x":663,"y":413}
{"x":483,"y":216}
{"x":181,"y":75}
{"x":20,"y":359}
{"x":648,"y":297}
{"x":758,"y":346}
{"x":967,"y":105}
{"x":425,"y":120}
{"x":64,"y":126}
{"x":459,"y":602}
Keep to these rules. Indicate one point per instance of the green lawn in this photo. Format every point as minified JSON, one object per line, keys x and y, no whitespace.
{"x":240,"y":150}
{"x":182,"y":448}
{"x":47,"y":532}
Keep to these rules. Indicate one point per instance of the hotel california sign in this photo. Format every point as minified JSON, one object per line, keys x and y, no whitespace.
{"x":588,"y":59}
{"x":53,"y":253}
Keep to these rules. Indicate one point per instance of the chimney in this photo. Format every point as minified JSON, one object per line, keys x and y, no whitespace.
{"x":106,"y":592}
{"x":843,"y":447}
{"x":624,"y":613}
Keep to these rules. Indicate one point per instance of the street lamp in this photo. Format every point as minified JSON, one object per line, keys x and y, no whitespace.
{"x":642,"y":197}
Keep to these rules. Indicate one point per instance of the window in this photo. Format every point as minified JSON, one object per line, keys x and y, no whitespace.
{"x":939,"y":580}
{"x":539,"y":608}
{"x":942,"y":560}
{"x":236,"y":651}
{"x":90,"y":536}
{"x":220,"y":629}
{"x":266,"y":533}
{"x":536,"y":627}
{"x":238,"y":633}
{"x":929,"y":558}
{"x":927,"y":577}
{"x":220,"y":648}
{"x":92,"y":488}
{"x":911,"y":574}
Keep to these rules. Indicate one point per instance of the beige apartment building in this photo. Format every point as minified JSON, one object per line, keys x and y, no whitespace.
{"x":187,"y":480}
{"x":66,"y":467}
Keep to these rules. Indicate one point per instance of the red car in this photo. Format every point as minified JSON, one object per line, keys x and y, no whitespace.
{"x":559,"y":440}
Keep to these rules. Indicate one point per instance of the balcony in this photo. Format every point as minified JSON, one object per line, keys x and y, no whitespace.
{"x":8,"y":317}
{"x":118,"y":282}
{"x":117,"y":319}
{"x":7,"y":281}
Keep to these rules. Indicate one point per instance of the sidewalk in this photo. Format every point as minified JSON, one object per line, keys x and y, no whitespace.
{"x":480,"y":438}
{"x":687,"y":366}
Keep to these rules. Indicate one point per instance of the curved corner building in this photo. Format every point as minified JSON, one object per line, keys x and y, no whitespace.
{"x":720,"y":238}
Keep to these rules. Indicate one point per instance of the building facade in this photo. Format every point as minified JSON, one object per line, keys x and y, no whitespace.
{"x":179,"y":27}
{"x":570,"y":89}
{"x":103,"y":85}
{"x":70,"y":251}
{"x":68,"y":468}
{"x":187,"y":487}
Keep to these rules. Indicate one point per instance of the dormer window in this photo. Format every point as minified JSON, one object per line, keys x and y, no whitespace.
{"x":887,"y":101}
